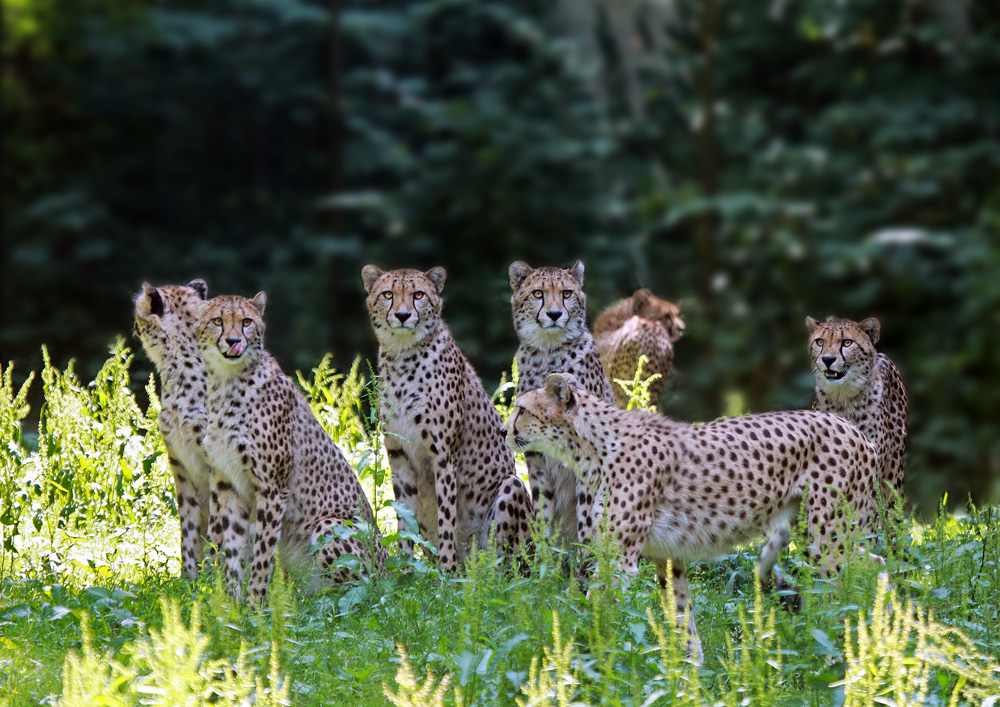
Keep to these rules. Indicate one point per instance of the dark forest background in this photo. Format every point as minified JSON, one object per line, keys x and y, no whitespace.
{"x":755,"y":161}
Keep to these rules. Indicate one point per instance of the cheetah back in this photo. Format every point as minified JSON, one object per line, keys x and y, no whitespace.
{"x":640,"y":325}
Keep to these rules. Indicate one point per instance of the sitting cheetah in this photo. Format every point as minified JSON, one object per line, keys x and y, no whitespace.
{"x":682,"y":492}
{"x":550,"y":317}
{"x":165,"y":318}
{"x":855,"y":382}
{"x":642,"y":324}
{"x":443,"y":436}
{"x":273,"y":461}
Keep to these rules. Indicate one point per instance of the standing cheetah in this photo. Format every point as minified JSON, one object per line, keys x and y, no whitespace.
{"x":550,"y":317}
{"x":855,"y":382}
{"x":274,"y":463}
{"x":682,"y":492}
{"x":443,"y":436}
{"x":165,"y":318}
{"x":642,"y":324}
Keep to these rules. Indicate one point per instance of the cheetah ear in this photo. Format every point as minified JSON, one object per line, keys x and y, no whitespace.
{"x":559,"y":387}
{"x":811,"y":324}
{"x":437,"y":276}
{"x":259,"y":301}
{"x":369,"y":274}
{"x":517,"y":271}
{"x":640,"y":298}
{"x":871,"y":327}
{"x":200,"y":287}
{"x":576,"y":270}
{"x":150,"y":301}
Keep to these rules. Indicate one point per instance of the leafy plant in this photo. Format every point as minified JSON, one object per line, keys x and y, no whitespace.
{"x":411,"y":694}
{"x":335,"y":400}
{"x":637,"y":389}
{"x":168,"y":667}
{"x":899,"y":651}
{"x":13,"y":409}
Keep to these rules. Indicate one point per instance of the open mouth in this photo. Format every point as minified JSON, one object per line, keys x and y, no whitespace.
{"x":832,"y":375}
{"x":235,"y":351}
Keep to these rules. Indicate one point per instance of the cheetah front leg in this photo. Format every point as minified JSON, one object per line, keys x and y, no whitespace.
{"x":512,"y":513}
{"x":266,"y":533}
{"x":188,"y":509}
{"x":542,"y":494}
{"x":682,"y":602}
{"x":446,"y":490}
{"x":230,"y":521}
{"x":585,"y":511}
{"x":592,"y":521}
{"x":404,"y":489}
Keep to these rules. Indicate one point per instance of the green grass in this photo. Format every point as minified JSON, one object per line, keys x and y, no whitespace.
{"x":91,"y":602}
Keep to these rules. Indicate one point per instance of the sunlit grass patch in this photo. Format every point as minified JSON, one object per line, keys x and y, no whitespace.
{"x":90,"y":530}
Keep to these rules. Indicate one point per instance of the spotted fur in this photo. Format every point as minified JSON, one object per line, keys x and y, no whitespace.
{"x":443,"y":435}
{"x":550,"y":316}
{"x":682,"y":492}
{"x":640,"y":325}
{"x":280,"y":479}
{"x":856,"y":382}
{"x":165,"y":319}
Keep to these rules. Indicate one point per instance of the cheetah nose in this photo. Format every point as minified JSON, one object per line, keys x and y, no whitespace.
{"x":232,"y":340}
{"x":828,"y":360}
{"x":402,"y":316}
{"x":554,"y":316}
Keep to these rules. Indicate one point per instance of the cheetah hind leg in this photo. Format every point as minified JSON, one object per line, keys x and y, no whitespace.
{"x":683,"y":604}
{"x":337,"y":544}
{"x":194,"y":520}
{"x":512,"y":516}
{"x":767,"y":568}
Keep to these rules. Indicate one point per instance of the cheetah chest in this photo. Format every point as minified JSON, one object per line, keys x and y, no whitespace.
{"x":227,"y":445}
{"x":535,"y":365}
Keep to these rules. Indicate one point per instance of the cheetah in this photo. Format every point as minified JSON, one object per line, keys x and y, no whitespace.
{"x":165,"y":319}
{"x":681,"y":492}
{"x":642,"y":324}
{"x":443,"y":436}
{"x":550,"y":316}
{"x":279,"y":479}
{"x":856,"y":382}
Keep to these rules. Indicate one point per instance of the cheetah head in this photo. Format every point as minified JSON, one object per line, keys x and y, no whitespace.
{"x":548,"y":304}
{"x":648,"y":306}
{"x":231,"y":331}
{"x":543,"y":420}
{"x":162,"y":314}
{"x":842,"y":352}
{"x":404,"y":305}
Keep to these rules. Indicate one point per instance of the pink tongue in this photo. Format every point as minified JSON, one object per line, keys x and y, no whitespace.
{"x":236,"y":349}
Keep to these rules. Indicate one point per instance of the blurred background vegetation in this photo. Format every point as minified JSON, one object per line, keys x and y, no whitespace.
{"x":757,"y":162}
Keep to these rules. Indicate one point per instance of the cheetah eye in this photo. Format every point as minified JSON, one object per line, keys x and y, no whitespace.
{"x":819,"y":342}
{"x":387,"y":295}
{"x":537,"y":294}
{"x":848,"y":342}
{"x":247,"y":322}
{"x":418,"y":295}
{"x":217,"y":321}
{"x":567,"y":294}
